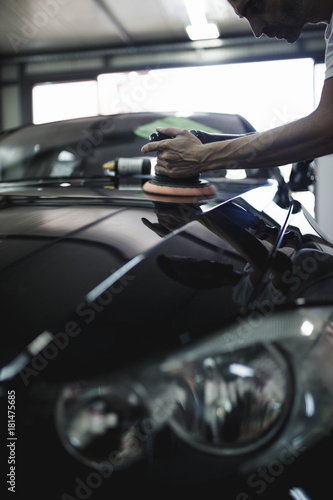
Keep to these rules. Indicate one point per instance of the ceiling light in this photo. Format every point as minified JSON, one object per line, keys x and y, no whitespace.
{"x":199,"y":29}
{"x":196,"y":11}
{"x":202,"y":31}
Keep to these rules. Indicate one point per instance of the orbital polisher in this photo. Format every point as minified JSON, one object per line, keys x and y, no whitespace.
{"x":185,"y":186}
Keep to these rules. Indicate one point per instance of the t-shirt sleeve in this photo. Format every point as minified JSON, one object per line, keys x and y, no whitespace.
{"x":329,"y":50}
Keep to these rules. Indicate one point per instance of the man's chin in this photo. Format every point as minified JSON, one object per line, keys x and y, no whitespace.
{"x":288,"y":37}
{"x":292,"y":37}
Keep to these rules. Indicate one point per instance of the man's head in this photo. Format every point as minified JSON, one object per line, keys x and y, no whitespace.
{"x":278,"y":18}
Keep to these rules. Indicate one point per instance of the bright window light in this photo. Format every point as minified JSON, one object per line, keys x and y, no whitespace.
{"x":62,"y":101}
{"x":319,"y":78}
{"x":267,"y":94}
{"x":236,"y":174}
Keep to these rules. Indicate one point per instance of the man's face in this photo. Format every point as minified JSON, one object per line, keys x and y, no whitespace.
{"x":283,"y":19}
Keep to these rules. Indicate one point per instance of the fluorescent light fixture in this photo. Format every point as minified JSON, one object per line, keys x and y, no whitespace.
{"x":196,"y":11}
{"x":203,"y":31}
{"x":199,"y":29}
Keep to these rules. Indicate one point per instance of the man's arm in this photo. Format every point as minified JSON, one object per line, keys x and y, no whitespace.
{"x":309,"y":137}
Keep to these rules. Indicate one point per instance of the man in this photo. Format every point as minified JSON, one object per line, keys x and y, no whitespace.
{"x":309,"y":137}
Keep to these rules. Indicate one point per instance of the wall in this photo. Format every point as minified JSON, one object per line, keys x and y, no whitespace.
{"x":323,"y":194}
{"x":10,"y":96}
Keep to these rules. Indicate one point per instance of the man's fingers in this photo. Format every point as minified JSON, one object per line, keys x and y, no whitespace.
{"x":153,"y":146}
{"x":158,"y":145}
{"x":170,"y":131}
{"x":149,"y":147}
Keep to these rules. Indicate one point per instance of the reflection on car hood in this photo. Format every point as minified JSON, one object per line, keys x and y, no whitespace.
{"x":134,"y":275}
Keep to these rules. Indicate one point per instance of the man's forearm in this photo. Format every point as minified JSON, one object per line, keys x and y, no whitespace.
{"x":302,"y":139}
{"x":183,"y":155}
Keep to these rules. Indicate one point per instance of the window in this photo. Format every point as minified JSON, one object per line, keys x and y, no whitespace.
{"x":61,"y":101}
{"x":267,"y":94}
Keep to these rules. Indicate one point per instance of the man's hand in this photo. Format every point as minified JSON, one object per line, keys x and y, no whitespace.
{"x":180,"y":156}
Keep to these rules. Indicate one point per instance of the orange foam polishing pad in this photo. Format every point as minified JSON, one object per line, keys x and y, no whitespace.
{"x":191,"y":186}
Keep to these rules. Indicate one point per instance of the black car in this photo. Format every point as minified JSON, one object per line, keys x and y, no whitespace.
{"x":155,"y":344}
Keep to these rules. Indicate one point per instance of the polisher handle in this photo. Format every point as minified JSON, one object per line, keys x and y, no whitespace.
{"x":204,"y":137}
{"x":158,"y":136}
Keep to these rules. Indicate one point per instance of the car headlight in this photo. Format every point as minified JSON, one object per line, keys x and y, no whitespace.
{"x":243,"y":391}
{"x":234,"y":402}
{"x":102,"y":424}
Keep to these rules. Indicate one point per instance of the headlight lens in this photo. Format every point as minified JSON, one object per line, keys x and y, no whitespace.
{"x":232,"y":403}
{"x":102,"y":425}
{"x":241,"y":390}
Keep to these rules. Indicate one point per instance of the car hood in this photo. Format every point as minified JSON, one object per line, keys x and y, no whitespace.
{"x":124,"y":276}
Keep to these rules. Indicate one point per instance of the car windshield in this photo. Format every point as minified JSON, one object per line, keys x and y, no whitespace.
{"x":73,"y":149}
{"x":79,"y":148}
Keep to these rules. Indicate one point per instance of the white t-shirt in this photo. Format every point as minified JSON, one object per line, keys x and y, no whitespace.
{"x":329,"y":50}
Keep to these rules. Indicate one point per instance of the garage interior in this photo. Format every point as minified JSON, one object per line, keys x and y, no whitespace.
{"x":59,"y":41}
